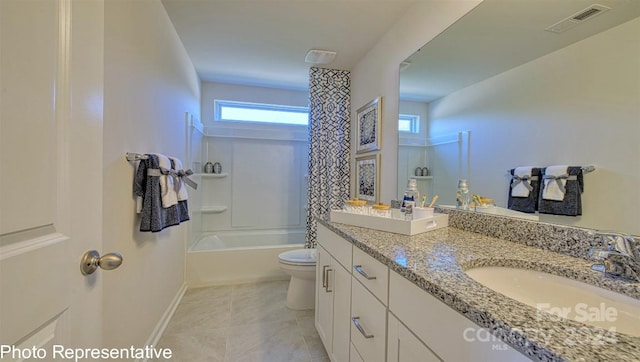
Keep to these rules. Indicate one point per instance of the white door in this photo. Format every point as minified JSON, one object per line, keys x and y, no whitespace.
{"x":51,"y":83}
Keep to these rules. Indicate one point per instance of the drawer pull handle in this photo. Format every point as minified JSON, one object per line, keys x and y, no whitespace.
{"x":358,"y":268}
{"x":359,"y":327}
{"x":324,"y":276}
{"x":326,"y":288}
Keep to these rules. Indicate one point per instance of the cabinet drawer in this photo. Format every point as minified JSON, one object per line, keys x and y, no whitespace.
{"x":368,"y":324}
{"x":338,"y":247}
{"x":371,"y":273}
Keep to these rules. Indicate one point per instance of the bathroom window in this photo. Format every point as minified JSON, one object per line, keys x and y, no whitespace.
{"x":233,"y":111}
{"x":409,"y":123}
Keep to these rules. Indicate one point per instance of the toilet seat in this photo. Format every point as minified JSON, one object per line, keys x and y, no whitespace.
{"x":298,"y":257}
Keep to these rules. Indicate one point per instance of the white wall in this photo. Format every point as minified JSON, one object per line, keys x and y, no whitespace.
{"x":579,"y":106}
{"x":377,"y":74}
{"x":149,"y":85}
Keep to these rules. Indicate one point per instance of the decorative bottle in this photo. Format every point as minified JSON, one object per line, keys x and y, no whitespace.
{"x":462,"y":195}
{"x":411,"y":196}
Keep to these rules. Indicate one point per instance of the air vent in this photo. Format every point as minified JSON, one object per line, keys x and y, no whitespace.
{"x":315,"y":56}
{"x":578,"y":18}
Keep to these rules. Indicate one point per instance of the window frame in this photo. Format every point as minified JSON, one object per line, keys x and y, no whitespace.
{"x":218,"y":104}
{"x":414,"y":123}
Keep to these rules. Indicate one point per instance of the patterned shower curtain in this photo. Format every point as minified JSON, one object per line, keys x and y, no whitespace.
{"x":329,"y":145}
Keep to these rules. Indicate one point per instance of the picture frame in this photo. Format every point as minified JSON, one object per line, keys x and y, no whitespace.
{"x":368,"y":178}
{"x":368,"y":126}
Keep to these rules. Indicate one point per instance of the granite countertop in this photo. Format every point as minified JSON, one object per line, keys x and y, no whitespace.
{"x":435,"y":261}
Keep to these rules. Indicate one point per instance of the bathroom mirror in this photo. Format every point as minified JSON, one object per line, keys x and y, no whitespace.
{"x":531,"y":97}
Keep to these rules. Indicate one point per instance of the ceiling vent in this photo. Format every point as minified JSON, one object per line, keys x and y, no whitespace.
{"x":315,"y":56}
{"x":578,"y":18}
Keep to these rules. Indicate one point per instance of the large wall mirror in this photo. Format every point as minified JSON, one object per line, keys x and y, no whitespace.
{"x":529,"y":95}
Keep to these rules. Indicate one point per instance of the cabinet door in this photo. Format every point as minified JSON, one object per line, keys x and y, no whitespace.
{"x":403,"y":346}
{"x":355,"y":356}
{"x":341,"y":285}
{"x":324,"y":299}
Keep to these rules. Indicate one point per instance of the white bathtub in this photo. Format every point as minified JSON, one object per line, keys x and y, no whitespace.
{"x":231,"y":257}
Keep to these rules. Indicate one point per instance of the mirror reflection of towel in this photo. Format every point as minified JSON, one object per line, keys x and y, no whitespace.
{"x":555,"y":182}
{"x":527,"y":204}
{"x":521,"y":182}
{"x":571,"y":204}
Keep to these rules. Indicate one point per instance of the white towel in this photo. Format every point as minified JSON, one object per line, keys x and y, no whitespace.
{"x":520,"y":189}
{"x":167,"y":188}
{"x":552,"y":190}
{"x":182,"y":190}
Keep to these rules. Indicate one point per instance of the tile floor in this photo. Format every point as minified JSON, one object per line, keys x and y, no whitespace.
{"x":247,"y":322}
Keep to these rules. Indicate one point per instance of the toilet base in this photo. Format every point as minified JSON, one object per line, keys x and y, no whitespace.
{"x":301,"y":294}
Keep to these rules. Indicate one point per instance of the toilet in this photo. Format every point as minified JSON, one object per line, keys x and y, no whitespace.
{"x":301,"y":265}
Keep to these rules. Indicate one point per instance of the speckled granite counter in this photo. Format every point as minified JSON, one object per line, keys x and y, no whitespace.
{"x":435,"y":261}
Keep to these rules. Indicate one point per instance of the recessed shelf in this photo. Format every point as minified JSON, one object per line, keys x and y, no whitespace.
{"x":214,"y":209}
{"x":422,"y":177}
{"x":213,"y":175}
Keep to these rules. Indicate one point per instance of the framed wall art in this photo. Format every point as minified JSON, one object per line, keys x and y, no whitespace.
{"x":368,"y":177}
{"x":368,"y":126}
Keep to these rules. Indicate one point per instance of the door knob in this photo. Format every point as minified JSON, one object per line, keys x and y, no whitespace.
{"x":91,"y":260}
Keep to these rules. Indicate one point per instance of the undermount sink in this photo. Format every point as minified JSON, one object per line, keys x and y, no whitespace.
{"x":564,"y":297}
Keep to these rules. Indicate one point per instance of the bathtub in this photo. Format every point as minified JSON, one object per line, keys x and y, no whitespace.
{"x":233,"y":257}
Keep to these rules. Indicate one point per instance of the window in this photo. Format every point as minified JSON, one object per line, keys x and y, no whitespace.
{"x":260,"y":113}
{"x":409,"y":123}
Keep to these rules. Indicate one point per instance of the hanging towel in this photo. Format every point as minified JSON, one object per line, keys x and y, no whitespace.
{"x":555,"y":181}
{"x":182,"y":179}
{"x":529,"y":203}
{"x":572,"y":188}
{"x":154,"y":217}
{"x":521,"y":181}
{"x":168,"y":181}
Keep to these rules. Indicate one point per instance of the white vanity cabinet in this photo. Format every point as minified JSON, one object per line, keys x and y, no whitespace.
{"x":446,"y":333}
{"x":333,"y":294}
{"x":367,"y":313}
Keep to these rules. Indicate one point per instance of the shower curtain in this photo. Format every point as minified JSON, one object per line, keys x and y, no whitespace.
{"x":329,"y":145}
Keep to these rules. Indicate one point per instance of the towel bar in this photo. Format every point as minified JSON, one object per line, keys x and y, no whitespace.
{"x":132,"y":156}
{"x":585,"y":169}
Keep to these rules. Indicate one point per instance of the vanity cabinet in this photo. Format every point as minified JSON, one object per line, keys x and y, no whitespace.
{"x":333,"y":294}
{"x":445,"y":333}
{"x":365,"y":312}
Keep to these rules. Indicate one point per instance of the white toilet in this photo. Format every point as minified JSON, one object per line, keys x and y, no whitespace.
{"x":301,"y":265}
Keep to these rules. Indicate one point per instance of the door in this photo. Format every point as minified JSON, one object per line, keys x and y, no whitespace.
{"x":51,"y":69}
{"x":324,"y":298}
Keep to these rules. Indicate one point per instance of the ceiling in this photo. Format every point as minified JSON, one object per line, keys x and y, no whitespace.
{"x":499,"y":35}
{"x":264,"y":42}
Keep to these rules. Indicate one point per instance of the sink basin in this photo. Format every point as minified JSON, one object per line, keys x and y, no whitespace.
{"x":563,"y":297}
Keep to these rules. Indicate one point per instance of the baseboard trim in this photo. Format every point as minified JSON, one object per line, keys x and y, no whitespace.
{"x":164,"y":321}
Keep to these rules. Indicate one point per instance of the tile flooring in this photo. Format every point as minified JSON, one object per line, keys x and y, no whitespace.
{"x":246,"y":322}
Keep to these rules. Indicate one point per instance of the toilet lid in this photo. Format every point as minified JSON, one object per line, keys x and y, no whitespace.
{"x":298,"y":256}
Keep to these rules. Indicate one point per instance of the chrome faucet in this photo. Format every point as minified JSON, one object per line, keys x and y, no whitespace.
{"x":620,"y":256}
